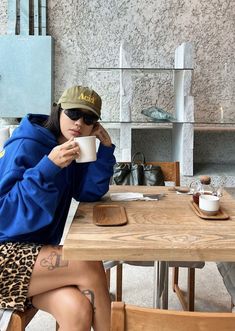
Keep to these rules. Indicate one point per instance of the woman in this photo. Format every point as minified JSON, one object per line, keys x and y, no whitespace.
{"x":39,"y":177}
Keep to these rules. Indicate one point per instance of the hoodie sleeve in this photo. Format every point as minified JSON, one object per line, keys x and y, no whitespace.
{"x":95,"y":177}
{"x":28,"y":198}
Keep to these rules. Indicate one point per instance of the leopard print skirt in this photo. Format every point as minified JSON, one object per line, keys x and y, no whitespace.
{"x":16,"y":264}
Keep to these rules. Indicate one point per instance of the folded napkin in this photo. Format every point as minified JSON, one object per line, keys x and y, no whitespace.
{"x":190,"y":193}
{"x":131,"y":196}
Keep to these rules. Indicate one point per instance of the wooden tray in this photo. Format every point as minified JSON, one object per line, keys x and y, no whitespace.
{"x":107,"y":215}
{"x":221,"y":215}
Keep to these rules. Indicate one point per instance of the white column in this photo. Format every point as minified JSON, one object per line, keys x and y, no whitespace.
{"x":125,"y":142}
{"x":184,"y":109}
{"x":126,"y":91}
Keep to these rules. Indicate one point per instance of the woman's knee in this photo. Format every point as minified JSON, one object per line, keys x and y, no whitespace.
{"x":75,"y":312}
{"x":69,"y":307}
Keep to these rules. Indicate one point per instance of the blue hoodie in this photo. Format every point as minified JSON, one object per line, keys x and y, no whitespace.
{"x":35,"y":194}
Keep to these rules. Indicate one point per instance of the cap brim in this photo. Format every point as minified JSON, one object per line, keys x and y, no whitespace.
{"x":65,"y":105}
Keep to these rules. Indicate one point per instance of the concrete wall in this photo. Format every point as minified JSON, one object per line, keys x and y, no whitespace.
{"x":89,"y":33}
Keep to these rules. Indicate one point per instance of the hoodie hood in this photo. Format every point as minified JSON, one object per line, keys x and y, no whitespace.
{"x":26,"y":130}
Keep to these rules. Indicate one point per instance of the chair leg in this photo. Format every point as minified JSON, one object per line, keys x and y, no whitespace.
{"x":107,"y":272}
{"x":232,"y":305}
{"x":191,"y":289}
{"x":187,"y":304}
{"x":119,"y":282}
{"x":17,"y":323}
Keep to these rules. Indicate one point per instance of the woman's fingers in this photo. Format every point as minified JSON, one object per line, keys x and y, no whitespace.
{"x":68,"y":144}
{"x":102,"y":135}
{"x":70,"y":151}
{"x":62,"y":155}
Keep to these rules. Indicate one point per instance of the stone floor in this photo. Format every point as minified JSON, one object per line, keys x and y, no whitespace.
{"x":211,"y":294}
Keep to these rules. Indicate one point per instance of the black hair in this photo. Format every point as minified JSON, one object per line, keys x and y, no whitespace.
{"x":53,"y":121}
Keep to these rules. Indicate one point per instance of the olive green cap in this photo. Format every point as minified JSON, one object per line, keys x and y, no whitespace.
{"x":81,"y":97}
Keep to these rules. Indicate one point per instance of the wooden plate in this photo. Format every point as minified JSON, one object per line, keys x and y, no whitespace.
{"x":221,"y":215}
{"x":180,"y":189}
{"x":106,"y":215}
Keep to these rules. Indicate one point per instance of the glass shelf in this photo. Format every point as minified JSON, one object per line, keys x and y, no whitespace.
{"x":139,"y":69}
{"x":221,"y":126}
{"x":202,"y":125}
{"x":231,"y":122}
{"x":228,"y":122}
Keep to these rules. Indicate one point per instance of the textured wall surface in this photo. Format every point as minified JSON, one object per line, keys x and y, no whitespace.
{"x":89,"y":33}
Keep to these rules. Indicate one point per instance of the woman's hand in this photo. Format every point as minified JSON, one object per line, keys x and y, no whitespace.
{"x":101,"y":134}
{"x":62,"y":155}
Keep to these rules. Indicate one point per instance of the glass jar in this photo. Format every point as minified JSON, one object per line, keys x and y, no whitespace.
{"x":206,"y":186}
{"x":195,"y":187}
{"x":201,"y":186}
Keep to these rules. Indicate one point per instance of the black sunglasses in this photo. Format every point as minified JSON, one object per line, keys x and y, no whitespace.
{"x":76,"y":114}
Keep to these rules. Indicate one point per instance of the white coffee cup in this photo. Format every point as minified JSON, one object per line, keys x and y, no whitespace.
{"x":87,"y":146}
{"x":209,"y":204}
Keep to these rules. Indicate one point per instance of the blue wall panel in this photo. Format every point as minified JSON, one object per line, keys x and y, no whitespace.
{"x":26,"y":75}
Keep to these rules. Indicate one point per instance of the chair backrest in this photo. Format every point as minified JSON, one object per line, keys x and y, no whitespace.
{"x":171,"y":171}
{"x":4,"y":135}
{"x":132,"y":318}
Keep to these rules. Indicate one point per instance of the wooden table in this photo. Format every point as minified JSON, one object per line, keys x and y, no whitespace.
{"x":164,"y":230}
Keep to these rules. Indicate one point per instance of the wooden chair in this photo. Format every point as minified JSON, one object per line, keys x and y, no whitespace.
{"x":133,"y":318}
{"x":20,"y":320}
{"x":107,"y":266}
{"x":171,"y":172}
{"x":187,"y":300}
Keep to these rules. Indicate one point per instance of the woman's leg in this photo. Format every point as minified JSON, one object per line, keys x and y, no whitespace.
{"x":51,"y":272}
{"x":71,"y":309}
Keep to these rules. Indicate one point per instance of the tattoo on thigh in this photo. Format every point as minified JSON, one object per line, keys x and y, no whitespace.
{"x":53,"y":261}
{"x":90,"y":295}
